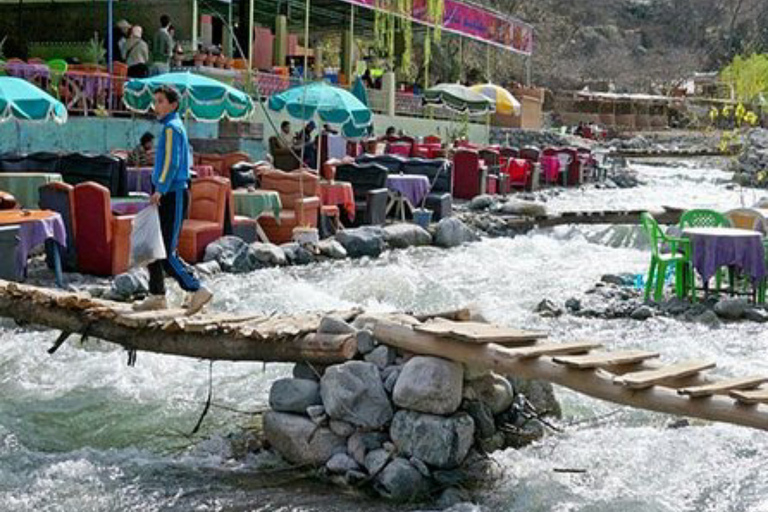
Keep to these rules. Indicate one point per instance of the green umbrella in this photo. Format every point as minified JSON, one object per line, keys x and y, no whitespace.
{"x":332,"y":105}
{"x":204,"y":98}
{"x":459,"y":98}
{"x":23,"y":100}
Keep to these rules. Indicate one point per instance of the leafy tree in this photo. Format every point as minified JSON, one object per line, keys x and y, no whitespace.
{"x":748,"y":76}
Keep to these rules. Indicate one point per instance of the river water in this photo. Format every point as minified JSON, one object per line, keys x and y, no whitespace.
{"x":81,"y":431}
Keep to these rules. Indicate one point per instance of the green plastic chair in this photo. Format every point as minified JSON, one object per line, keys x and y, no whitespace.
{"x":661,"y":260}
{"x":57,"y":68}
{"x":703,"y":218}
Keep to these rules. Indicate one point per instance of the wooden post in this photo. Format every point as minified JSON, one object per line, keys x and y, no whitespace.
{"x":593,"y":383}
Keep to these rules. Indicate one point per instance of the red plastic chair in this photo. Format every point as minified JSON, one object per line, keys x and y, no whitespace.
{"x":399,"y":149}
{"x":207,"y":216}
{"x":433,"y":139}
{"x":469,"y":177}
{"x":301,"y":205}
{"x":550,"y":168}
{"x":520,"y":173}
{"x":103,"y":239}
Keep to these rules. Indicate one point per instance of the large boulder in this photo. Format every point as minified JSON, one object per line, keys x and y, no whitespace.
{"x":481,"y":202}
{"x":493,"y":390}
{"x":297,"y":254}
{"x":429,"y":384}
{"x":440,"y":441}
{"x":269,"y":255}
{"x":233,"y":255}
{"x":353,"y":392}
{"x":298,"y":440}
{"x":401,"y":481}
{"x":401,"y":236}
{"x":362,"y":241}
{"x":294,"y":395}
{"x":451,"y":232}
{"x":524,"y":208}
{"x":731,"y":309}
{"x":332,"y":249}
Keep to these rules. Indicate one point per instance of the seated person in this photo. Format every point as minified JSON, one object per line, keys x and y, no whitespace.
{"x":141,"y":155}
{"x":280,"y":149}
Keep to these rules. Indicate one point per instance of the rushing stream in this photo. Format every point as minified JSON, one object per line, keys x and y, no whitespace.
{"x":81,"y":431}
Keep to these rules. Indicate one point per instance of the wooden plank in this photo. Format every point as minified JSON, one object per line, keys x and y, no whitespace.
{"x":474,"y":332}
{"x":722,"y":387}
{"x":554,"y":349}
{"x":604,"y":359}
{"x":759,"y":396}
{"x":648,"y":378}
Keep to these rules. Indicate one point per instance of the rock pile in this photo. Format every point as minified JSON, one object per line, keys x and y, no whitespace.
{"x":615,"y":297}
{"x":753,"y":159}
{"x":405,"y":426}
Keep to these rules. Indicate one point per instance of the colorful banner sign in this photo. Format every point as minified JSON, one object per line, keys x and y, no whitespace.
{"x":469,"y":21}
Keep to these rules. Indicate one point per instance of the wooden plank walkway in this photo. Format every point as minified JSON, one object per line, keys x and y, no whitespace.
{"x":623,"y":377}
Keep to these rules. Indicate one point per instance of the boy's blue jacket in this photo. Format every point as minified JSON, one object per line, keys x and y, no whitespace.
{"x":172,"y":157}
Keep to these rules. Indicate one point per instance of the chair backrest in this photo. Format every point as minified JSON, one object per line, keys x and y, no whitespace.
{"x":208,"y":199}
{"x":438,"y":170}
{"x":400,"y":149}
{"x":747,"y":218}
{"x":106,"y":170}
{"x":531,"y":153}
{"x":93,"y":227}
{"x":432,"y":139}
{"x":393,"y":163}
{"x":490,"y":156}
{"x":466,"y":160}
{"x":509,"y":152}
{"x":654,"y":232}
{"x":701,"y":218}
{"x":362,"y":177}
{"x":290,"y":185}
{"x":60,"y":197}
{"x":518,"y":170}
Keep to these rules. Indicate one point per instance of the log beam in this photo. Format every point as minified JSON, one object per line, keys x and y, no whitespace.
{"x":597,"y":384}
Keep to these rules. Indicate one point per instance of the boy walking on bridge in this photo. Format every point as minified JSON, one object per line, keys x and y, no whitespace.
{"x":170,"y":179}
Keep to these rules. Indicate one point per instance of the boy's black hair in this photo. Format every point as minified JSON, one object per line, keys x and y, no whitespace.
{"x":170,"y":94}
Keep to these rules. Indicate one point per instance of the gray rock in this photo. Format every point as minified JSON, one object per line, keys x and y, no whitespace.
{"x":429,"y":384}
{"x":481,"y":202}
{"x":420,"y":466}
{"x":269,"y":255}
{"x":482,"y":415}
{"x":365,"y":341}
{"x":355,"y":478}
{"x":708,"y":317}
{"x":341,"y":428}
{"x":642,"y":313}
{"x":330,"y":248}
{"x":208,"y":268}
{"x":548,"y":309}
{"x":451,"y":497}
{"x":451,"y":232}
{"x":353,"y":392}
{"x":340,"y":463}
{"x":494,"y":443}
{"x":376,"y":460}
{"x":334,"y":325}
{"x":539,"y":393}
{"x":296,"y":254}
{"x":491,"y":389}
{"x":391,"y":380}
{"x":299,"y":440}
{"x":402,"y":236}
{"x":400,"y":481}
{"x":131,"y":283}
{"x":233,"y":255}
{"x":731,"y":309}
{"x":294,"y":395}
{"x":382,"y":356}
{"x":439,"y":441}
{"x":524,"y":208}
{"x":307,"y":371}
{"x":573,"y":304}
{"x":362,"y":241}
{"x":618,"y":280}
{"x":675,"y":306}
{"x":756,"y":315}
{"x":316,"y":413}
{"x":360,"y":444}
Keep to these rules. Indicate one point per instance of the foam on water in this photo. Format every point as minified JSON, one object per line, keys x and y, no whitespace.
{"x":81,"y":431}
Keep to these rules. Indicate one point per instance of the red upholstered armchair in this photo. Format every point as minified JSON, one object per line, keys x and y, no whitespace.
{"x":207,"y":214}
{"x":103,"y":239}
{"x":301,"y":206}
{"x":469,"y":177}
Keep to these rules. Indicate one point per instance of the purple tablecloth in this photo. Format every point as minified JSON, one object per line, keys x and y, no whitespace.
{"x":34,"y":233}
{"x":27,"y":71}
{"x":128,"y":206}
{"x":139,"y":179}
{"x":717,"y":247}
{"x":413,"y":187}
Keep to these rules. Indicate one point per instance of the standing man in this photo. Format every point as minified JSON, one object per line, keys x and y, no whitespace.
{"x":170,"y":178}
{"x":162,"y":47}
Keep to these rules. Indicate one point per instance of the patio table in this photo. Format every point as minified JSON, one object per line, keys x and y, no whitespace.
{"x":139,"y":179}
{"x":338,"y":193}
{"x":35,"y":228}
{"x":254,"y":203}
{"x":24,"y":186}
{"x":129,"y":205}
{"x":713,"y":248}
{"x":406,"y":189}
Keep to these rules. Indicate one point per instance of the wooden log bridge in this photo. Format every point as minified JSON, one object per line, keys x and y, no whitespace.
{"x":624,"y":377}
{"x":667,"y":215}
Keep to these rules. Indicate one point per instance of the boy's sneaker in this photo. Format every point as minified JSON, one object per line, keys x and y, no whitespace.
{"x":151,"y":303}
{"x":199,"y":299}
